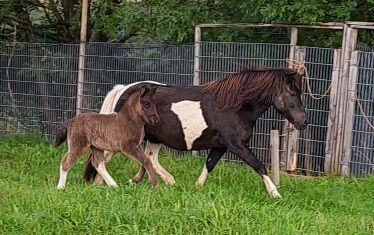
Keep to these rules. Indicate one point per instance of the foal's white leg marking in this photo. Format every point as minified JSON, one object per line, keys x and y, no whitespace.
{"x":107,"y":157}
{"x":104,"y":173}
{"x":192,"y":120}
{"x":152,"y":150}
{"x":202,"y":178}
{"x":63,"y":177}
{"x":270,"y":187}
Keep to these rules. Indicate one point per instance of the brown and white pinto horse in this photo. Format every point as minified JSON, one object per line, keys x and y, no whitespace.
{"x":117,"y":132}
{"x":219,"y":116}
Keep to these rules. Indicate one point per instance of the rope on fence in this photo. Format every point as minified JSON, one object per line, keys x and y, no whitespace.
{"x":364,"y":114}
{"x":301,"y":65}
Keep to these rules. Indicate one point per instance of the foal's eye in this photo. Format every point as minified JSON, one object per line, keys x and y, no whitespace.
{"x":147,"y":105}
{"x":292,"y":93}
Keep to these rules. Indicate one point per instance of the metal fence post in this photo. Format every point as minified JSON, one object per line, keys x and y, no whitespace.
{"x":331,"y":158}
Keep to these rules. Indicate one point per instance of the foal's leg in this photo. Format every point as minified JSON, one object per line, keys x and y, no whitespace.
{"x":69,"y":159}
{"x":214,"y":156}
{"x":242,"y":151}
{"x":107,"y":158}
{"x":99,"y":164}
{"x":137,"y":154}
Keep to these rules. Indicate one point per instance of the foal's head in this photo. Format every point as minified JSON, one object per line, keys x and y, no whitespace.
{"x":146,"y":106}
{"x":288,"y":100}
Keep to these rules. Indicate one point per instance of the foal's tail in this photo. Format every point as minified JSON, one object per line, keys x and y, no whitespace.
{"x":61,"y":134}
{"x":89,"y":171}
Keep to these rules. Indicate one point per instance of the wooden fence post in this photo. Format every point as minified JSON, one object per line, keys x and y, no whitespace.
{"x":196,"y":69}
{"x":274,"y":142}
{"x":285,"y":157}
{"x":348,"y":45}
{"x":330,"y":157}
{"x":82,"y":53}
{"x":349,"y":115}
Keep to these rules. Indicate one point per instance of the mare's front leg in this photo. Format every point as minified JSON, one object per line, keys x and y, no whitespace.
{"x":152,"y":150}
{"x":214,"y":156}
{"x":239,"y":148}
{"x":107,"y":158}
{"x":137,"y":154}
{"x":98,"y":162}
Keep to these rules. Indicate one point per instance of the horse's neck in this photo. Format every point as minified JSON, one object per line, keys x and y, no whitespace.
{"x":128,"y":114}
{"x":254,"y":111}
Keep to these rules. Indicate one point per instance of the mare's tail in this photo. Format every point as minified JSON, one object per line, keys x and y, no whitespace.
{"x":61,"y":134}
{"x":89,"y":171}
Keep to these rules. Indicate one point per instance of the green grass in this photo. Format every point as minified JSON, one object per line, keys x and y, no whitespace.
{"x":233,"y":201}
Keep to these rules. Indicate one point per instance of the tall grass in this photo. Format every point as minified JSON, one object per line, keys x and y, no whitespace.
{"x":233,"y":201}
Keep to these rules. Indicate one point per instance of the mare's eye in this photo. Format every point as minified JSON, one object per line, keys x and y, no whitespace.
{"x":147,"y":105}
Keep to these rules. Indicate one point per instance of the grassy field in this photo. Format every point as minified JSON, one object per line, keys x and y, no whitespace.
{"x":233,"y":201}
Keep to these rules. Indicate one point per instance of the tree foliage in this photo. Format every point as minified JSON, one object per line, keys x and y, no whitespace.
{"x":170,"y":20}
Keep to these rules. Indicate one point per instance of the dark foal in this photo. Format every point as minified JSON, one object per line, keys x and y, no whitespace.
{"x":117,"y":132}
{"x":220,"y":116}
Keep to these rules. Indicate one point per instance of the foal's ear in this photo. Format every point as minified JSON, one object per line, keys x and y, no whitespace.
{"x":153,"y":90}
{"x":143,"y":90}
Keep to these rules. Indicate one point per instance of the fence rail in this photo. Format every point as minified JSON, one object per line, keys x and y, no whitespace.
{"x":38,"y":90}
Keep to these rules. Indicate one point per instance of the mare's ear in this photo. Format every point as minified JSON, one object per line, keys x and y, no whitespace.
{"x":143,"y":90}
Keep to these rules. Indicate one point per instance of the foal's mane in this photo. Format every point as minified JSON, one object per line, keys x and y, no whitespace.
{"x":258,"y":85}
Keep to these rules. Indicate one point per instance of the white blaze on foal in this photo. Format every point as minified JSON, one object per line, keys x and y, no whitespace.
{"x":191,"y":118}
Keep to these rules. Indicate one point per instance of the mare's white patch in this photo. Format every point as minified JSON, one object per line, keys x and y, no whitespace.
{"x":202,"y":178}
{"x":270,"y":187}
{"x":63,"y":177}
{"x":192,"y":120}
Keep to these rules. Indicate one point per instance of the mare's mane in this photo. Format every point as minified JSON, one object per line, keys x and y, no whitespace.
{"x":258,"y":85}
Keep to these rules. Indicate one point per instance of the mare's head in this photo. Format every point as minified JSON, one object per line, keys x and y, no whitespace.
{"x":140,"y":98}
{"x":146,"y":105}
{"x":262,"y":87}
{"x":288,"y":102}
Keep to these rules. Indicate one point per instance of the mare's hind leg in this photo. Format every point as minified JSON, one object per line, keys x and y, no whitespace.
{"x":152,"y":151}
{"x":214,"y":156}
{"x":69,"y":159}
{"x":137,"y":154}
{"x":107,"y":158}
{"x":239,"y":148}
{"x":98,"y":162}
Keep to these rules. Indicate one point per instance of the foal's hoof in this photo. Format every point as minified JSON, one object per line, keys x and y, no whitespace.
{"x":130,"y":182}
{"x":199,"y":183}
{"x":170,"y":182}
{"x":60,"y":187}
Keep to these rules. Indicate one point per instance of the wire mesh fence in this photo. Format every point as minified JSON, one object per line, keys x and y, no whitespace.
{"x":362,"y":156}
{"x":38,"y":88}
{"x":312,"y":141}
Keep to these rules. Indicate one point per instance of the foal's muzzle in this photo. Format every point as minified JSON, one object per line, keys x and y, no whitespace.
{"x":154,"y":119}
